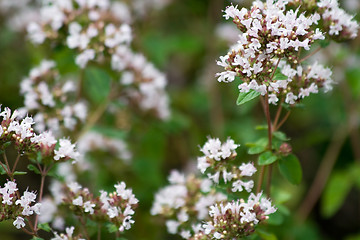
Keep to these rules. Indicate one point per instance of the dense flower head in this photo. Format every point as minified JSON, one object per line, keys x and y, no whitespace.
{"x":97,"y":34}
{"x":236,"y":219}
{"x":93,"y":141}
{"x":51,"y":99}
{"x":271,"y":32}
{"x":69,"y":234}
{"x":20,"y":132}
{"x":184,"y":203}
{"x":14,"y":206}
{"x":338,"y":24}
{"x":218,"y":164}
{"x":116,"y":208}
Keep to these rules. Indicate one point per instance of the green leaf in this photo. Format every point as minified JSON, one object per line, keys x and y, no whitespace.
{"x":266,"y":235}
{"x":244,"y":97}
{"x":2,"y":170}
{"x":354,"y":171}
{"x":261,"y":127}
{"x":37,"y":238}
{"x":280,"y":76}
{"x":258,"y":147}
{"x":54,"y":173}
{"x":5,"y":145}
{"x":33,"y":168}
{"x":280,"y":135}
{"x":290,"y":168}
{"x":256,"y":150}
{"x":97,"y":84}
{"x":39,"y":157}
{"x":44,"y":226}
{"x":336,"y":190}
{"x":112,"y":228}
{"x":19,"y":173}
{"x":267,"y":158}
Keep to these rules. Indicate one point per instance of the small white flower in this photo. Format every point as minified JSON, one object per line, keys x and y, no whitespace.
{"x":78,"y":201}
{"x":83,"y":58}
{"x":247,"y":169}
{"x":172,"y":226}
{"x":74,"y":187}
{"x":19,"y":222}
{"x":89,"y":207}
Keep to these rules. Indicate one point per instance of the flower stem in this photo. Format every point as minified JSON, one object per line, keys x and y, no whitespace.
{"x":282,"y":121}
{"x":84,"y":228}
{"x":43,"y":175}
{"x":260,"y":179}
{"x":278,"y":113}
{"x":268,"y":183}
{"x":99,"y":232}
{"x":311,"y":54}
{"x":5,"y":168}
{"x":7,"y":164}
{"x":268,"y":119}
{"x":277,"y":64}
{"x":15,"y":164}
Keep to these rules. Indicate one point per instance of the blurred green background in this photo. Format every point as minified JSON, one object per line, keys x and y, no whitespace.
{"x":182,"y":40}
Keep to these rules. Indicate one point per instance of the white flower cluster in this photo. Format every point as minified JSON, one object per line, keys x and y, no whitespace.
{"x":236,"y":219}
{"x":185,"y":197}
{"x":340,"y":23}
{"x":14,"y":207}
{"x":26,"y":139}
{"x":49,"y":211}
{"x":18,"y":13}
{"x":101,"y":37}
{"x":69,"y":231}
{"x":214,"y":149}
{"x":217,"y":161}
{"x":117,"y":207}
{"x":189,"y":202}
{"x":144,"y":83}
{"x":43,"y":89}
{"x":92,"y":141}
{"x":267,"y":30}
{"x":302,"y":81}
{"x":270,"y":33}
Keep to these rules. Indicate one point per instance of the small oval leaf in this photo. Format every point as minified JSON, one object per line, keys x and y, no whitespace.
{"x":267,"y":158}
{"x":244,"y":97}
{"x":280,"y":76}
{"x":290,"y":168}
{"x":33,"y":168}
{"x":281,"y":136}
